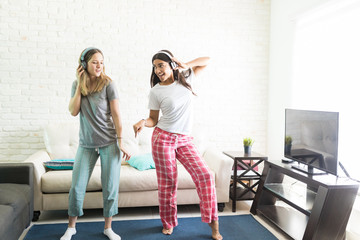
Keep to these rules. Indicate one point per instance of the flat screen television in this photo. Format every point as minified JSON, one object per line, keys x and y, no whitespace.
{"x":311,"y":139}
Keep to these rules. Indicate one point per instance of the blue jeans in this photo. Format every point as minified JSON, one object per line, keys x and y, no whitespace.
{"x":85,"y":160}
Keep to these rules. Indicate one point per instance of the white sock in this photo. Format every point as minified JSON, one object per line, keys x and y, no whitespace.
{"x":68,"y":234}
{"x":111,"y":235}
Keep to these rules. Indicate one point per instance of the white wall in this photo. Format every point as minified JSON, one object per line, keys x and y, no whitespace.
{"x":282,"y":31}
{"x":41,"y":40}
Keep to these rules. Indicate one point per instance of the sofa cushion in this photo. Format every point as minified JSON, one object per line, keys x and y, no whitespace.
{"x":142,"y":162}
{"x":62,"y":139}
{"x":6,"y":220}
{"x":16,"y":196}
{"x":11,"y":193}
{"x":60,"y":164}
{"x":131,"y":179}
{"x":60,"y":181}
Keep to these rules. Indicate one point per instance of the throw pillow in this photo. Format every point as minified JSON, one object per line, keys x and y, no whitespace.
{"x":142,"y":162}
{"x":60,"y":164}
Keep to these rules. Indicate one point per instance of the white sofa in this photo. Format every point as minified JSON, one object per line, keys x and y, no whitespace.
{"x":137,"y":188}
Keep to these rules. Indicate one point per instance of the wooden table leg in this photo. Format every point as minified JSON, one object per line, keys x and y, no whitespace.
{"x":234,"y":187}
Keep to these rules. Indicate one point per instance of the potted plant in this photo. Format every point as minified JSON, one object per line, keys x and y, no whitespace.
{"x":288,"y":144}
{"x":248,"y":142}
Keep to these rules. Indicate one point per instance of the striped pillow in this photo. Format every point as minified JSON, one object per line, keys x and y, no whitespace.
{"x":60,"y":164}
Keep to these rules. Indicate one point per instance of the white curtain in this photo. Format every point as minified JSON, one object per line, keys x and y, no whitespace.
{"x":326,"y":71}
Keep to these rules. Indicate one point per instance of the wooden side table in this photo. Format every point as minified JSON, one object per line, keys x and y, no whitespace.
{"x":248,"y":162}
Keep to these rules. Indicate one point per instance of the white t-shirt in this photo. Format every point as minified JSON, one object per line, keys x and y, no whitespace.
{"x":175,"y":103}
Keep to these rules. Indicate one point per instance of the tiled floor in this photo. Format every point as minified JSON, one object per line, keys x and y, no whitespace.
{"x":243,"y":207}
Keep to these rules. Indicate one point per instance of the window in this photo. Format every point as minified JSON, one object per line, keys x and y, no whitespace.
{"x":326,"y":71}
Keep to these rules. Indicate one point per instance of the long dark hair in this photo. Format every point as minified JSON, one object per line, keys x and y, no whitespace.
{"x":178,"y":76}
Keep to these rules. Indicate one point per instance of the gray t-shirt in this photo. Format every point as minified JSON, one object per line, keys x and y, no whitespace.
{"x":97,"y":128}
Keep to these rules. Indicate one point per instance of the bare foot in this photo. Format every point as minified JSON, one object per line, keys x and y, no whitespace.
{"x":215,"y":230}
{"x":167,"y":231}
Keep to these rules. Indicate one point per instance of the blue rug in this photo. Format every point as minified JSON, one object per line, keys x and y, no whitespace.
{"x":243,"y":227}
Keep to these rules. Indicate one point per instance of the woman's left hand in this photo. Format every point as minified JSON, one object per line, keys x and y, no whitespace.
{"x":126,"y":155}
{"x":181,"y":65}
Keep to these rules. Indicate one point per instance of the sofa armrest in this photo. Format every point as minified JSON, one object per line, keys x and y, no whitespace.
{"x":19,"y":173}
{"x":221,"y":165}
{"x":37,"y":159}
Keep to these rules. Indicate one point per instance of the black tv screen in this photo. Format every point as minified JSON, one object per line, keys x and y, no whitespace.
{"x":311,"y":138}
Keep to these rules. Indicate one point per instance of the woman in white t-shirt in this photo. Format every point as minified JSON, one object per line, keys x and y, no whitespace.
{"x":171,"y":93}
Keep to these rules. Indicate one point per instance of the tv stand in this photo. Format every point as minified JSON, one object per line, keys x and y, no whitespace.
{"x":308,"y":169}
{"x":304,"y":206}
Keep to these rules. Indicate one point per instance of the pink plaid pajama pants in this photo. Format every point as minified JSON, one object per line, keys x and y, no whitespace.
{"x":166,"y":148}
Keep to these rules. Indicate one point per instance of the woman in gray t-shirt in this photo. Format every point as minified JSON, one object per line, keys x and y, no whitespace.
{"x":95,"y":97}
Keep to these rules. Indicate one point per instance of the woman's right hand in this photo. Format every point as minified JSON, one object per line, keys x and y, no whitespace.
{"x":75,"y":101}
{"x":139,"y":126}
{"x":79,"y":71}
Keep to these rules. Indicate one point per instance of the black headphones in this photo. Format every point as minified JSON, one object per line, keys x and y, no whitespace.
{"x":172,"y":63}
{"x":82,"y":60}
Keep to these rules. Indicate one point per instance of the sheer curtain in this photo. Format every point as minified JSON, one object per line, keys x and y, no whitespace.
{"x":326,"y":71}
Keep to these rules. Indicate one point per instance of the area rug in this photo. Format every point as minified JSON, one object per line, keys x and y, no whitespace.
{"x":243,"y":227}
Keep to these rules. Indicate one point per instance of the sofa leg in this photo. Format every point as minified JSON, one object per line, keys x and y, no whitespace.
{"x":36,"y":216}
{"x":221,"y":207}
